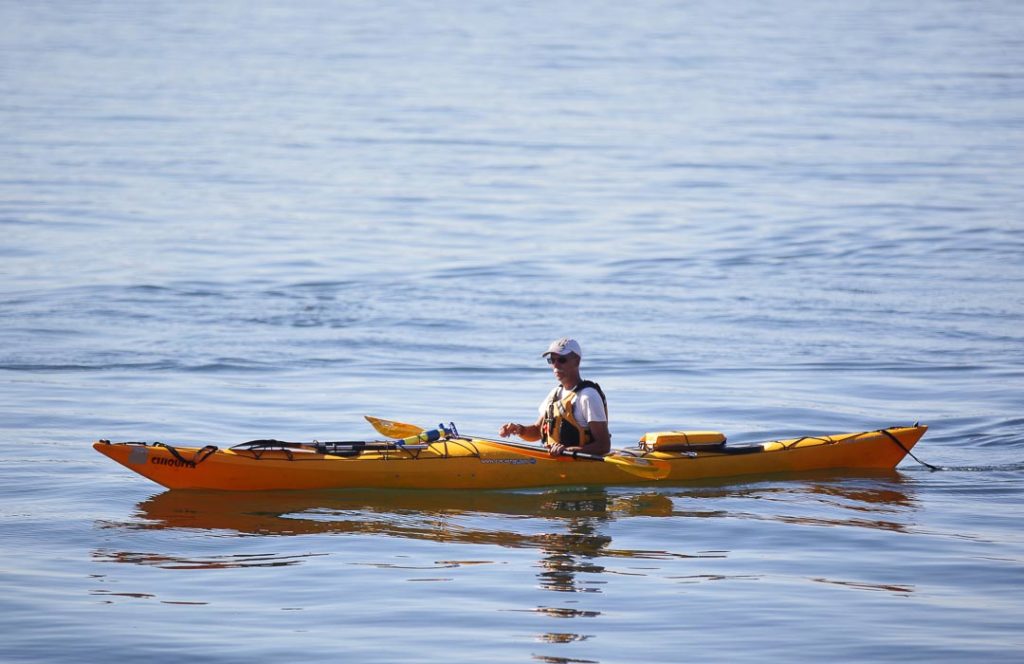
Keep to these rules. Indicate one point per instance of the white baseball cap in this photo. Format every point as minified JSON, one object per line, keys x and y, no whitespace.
{"x":563,"y":346}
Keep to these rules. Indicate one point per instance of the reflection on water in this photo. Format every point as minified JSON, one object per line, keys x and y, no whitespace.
{"x":578,"y":514}
{"x":211,"y":562}
{"x":878,"y":587}
{"x":111,"y":595}
{"x":562,"y":637}
{"x":557,"y":612}
{"x":699,"y":578}
{"x":572,"y":530}
{"x":548,"y":659}
{"x":579,"y":540}
{"x":565,"y":555}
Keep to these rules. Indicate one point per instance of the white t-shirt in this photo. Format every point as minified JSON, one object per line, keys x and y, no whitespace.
{"x":587,"y":408}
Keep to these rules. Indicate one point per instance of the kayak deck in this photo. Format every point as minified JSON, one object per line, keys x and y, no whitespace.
{"x":472,"y":463}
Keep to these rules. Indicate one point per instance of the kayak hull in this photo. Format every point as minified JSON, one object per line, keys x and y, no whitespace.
{"x":479,"y":464}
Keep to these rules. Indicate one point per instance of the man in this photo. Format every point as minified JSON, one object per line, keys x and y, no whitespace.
{"x":574,"y":416}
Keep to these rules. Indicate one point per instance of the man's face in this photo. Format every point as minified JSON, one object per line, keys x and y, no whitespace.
{"x":564,"y":365}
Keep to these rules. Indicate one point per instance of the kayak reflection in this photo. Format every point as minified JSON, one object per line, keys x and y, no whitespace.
{"x":572,"y":530}
{"x":432,"y":515}
{"x":511,"y":518}
{"x":568,"y":527}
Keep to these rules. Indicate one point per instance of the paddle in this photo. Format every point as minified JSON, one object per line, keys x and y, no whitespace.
{"x":654,"y":469}
{"x":393,"y":429}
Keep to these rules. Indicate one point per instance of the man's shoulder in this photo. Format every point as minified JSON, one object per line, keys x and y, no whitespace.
{"x":588,"y":393}
{"x":592,"y":404}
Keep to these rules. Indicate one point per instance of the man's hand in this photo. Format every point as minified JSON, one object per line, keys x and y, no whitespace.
{"x":511,"y":429}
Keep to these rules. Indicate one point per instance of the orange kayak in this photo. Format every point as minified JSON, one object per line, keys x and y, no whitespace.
{"x":477,"y":463}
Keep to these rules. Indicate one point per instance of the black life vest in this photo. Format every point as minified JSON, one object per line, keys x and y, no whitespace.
{"x":560,"y":425}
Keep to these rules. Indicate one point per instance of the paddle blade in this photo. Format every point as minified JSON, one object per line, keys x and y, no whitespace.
{"x":392,"y":429}
{"x":651,"y":469}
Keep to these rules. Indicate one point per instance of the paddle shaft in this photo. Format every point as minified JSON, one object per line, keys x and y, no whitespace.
{"x":575,"y":454}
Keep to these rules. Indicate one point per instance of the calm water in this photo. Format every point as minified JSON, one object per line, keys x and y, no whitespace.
{"x":234,"y":220}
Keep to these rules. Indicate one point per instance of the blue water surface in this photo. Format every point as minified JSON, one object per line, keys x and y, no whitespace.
{"x":238,"y":220}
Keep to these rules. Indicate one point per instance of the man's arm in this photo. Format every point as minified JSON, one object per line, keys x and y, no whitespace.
{"x":600,"y":439}
{"x":528,"y":432}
